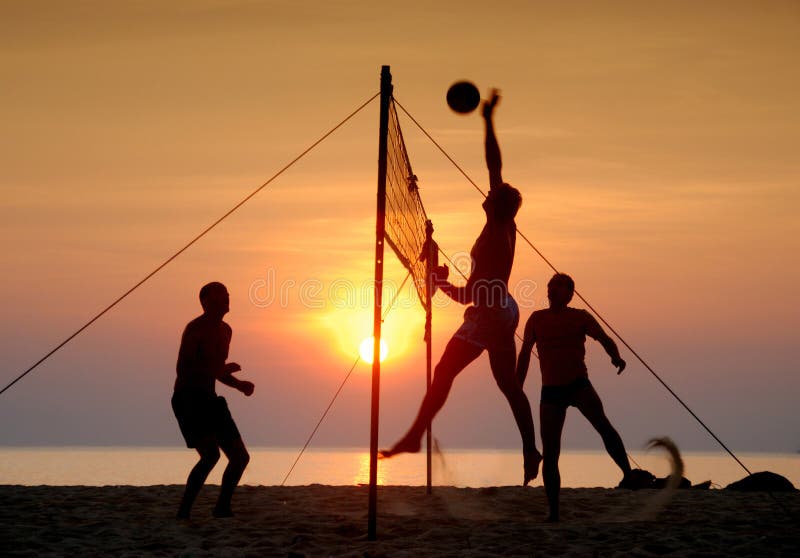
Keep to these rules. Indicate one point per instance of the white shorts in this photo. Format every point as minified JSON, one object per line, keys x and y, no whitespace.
{"x":491,"y":327}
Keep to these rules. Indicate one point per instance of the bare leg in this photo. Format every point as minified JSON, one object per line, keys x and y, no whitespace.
{"x":209,"y":455}
{"x":457,"y":355}
{"x":503,"y":362}
{"x":588,"y":402}
{"x":238,"y":458}
{"x":552,"y":418}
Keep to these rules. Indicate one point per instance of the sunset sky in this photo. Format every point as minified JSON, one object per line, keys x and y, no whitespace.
{"x":656,"y":149}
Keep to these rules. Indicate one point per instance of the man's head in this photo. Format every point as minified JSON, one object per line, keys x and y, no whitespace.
{"x":215,"y":299}
{"x":560,"y":289}
{"x":503,"y":202}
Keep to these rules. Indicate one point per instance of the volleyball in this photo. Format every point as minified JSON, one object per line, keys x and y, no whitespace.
{"x":463,"y":97}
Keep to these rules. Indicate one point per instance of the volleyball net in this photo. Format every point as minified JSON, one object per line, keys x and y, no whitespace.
{"x":402,"y":223}
{"x":408,"y":229}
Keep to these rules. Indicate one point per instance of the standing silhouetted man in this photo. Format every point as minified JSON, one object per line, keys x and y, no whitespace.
{"x":560,"y":333}
{"x":203,"y":416}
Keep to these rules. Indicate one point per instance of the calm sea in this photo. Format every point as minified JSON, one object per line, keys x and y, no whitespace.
{"x":144,"y":466}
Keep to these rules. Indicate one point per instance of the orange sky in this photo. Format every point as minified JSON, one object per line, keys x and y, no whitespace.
{"x":656,"y":151}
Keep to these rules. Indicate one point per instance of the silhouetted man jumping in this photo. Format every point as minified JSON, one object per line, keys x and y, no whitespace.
{"x":203,"y":416}
{"x":560,"y":332}
{"x":490,"y":323}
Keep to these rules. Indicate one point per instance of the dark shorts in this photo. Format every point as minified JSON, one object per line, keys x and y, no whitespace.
{"x":201,"y":415}
{"x":564,"y":396}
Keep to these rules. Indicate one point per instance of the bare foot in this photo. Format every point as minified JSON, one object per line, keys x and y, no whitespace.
{"x":531,"y":466}
{"x":405,"y":445}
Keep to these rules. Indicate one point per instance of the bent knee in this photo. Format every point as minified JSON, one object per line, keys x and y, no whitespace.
{"x":443,"y":377}
{"x":442,"y":371}
{"x":509,"y":386}
{"x":210,"y":457}
{"x":241,"y":458}
{"x":603,"y":426}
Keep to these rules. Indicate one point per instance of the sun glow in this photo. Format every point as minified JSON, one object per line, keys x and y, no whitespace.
{"x":366,"y":349}
{"x":345,"y":326}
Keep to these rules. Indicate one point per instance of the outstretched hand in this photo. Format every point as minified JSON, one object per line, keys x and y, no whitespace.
{"x":231,"y":367}
{"x":246,"y":387}
{"x":620,"y":364}
{"x":440,"y":275}
{"x":490,"y":103}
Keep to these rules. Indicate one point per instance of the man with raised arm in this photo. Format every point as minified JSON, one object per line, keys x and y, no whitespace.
{"x":560,"y":333}
{"x":203,"y":416}
{"x":491,"y":319}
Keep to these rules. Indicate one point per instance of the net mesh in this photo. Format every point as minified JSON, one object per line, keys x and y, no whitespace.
{"x":406,"y":220}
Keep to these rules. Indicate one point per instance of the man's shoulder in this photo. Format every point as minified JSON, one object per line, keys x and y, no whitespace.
{"x":568,"y":312}
{"x":577,"y":311}
{"x":195,"y":325}
{"x":538,"y":315}
{"x":579,"y":314}
{"x":203,"y":324}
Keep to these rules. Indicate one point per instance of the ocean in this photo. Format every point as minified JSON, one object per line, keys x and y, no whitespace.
{"x":144,"y":466}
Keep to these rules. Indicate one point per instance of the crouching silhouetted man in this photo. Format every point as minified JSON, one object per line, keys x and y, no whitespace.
{"x":560,"y":333}
{"x":203,"y":416}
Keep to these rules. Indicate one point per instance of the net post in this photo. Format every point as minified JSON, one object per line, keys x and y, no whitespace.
{"x":430,"y":259}
{"x":380,"y":231}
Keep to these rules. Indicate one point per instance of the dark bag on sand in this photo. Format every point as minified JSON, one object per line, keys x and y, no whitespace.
{"x":637,"y":479}
{"x":641,"y":478}
{"x":662,"y":483}
{"x":765,"y":481}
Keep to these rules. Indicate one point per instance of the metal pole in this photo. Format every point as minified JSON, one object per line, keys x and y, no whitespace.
{"x":430,"y":262}
{"x":380,"y":229}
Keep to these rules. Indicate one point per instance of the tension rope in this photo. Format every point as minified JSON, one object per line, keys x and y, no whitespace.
{"x":188,"y":244}
{"x":580,"y":296}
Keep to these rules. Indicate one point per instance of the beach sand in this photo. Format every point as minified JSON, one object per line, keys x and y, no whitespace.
{"x":319,"y":520}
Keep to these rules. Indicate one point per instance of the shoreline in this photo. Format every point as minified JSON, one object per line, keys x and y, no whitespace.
{"x":321,"y":520}
{"x":268,"y":466}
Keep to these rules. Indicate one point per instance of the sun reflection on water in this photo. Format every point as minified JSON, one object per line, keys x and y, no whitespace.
{"x":362,"y":475}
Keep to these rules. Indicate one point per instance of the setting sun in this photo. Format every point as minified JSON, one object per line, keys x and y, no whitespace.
{"x":367,"y":347}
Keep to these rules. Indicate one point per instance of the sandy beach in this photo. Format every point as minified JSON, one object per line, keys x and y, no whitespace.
{"x":319,"y":520}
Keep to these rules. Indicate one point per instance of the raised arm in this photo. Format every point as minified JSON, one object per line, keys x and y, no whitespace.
{"x":493,"y":160}
{"x":524,"y":360}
